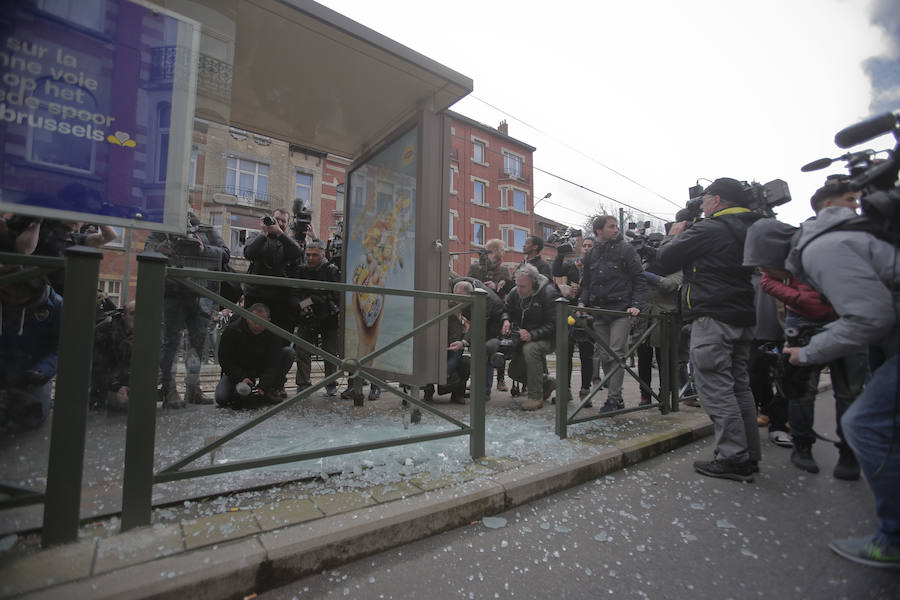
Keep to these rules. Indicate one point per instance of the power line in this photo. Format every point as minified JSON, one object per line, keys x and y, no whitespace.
{"x":577,"y":151}
{"x":601,"y":194}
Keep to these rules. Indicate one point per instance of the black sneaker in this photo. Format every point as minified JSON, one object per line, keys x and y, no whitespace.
{"x":847,"y":468}
{"x":802,"y":458}
{"x":736,"y":471}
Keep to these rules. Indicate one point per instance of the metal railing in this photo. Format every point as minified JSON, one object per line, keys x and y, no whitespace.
{"x":666,"y":401}
{"x":139,"y":475}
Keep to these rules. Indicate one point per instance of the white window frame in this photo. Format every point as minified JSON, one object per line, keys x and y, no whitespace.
{"x":113,"y":289}
{"x":505,"y":192}
{"x":454,"y":175}
{"x":454,"y":215}
{"x":234,"y":246}
{"x":307,"y":203}
{"x":246,"y":197}
{"x":485,"y":225}
{"x":89,"y":14}
{"x":195,"y":156}
{"x":508,"y":155}
{"x":485,"y":185}
{"x":119,"y":242}
{"x":476,"y":141}
{"x":508,"y":236}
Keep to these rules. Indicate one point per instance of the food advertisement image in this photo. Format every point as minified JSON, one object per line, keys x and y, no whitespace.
{"x":381,"y":254}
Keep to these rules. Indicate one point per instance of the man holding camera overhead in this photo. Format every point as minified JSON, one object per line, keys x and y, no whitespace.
{"x":613,"y":279}
{"x":271,"y":253}
{"x":717,"y":296}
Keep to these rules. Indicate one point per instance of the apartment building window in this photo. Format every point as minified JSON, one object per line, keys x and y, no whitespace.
{"x":512,"y":165}
{"x":246,"y":179}
{"x":87,"y":13}
{"x":479,"y":233}
{"x":119,"y":242}
{"x":453,"y":217}
{"x":192,"y":181}
{"x":514,"y":238}
{"x":113,"y":289}
{"x":452,"y":180}
{"x":546,"y":231}
{"x":239,"y":238}
{"x":53,"y":148}
{"x":478,"y":153}
{"x":513,"y":198}
{"x":303,"y":186}
{"x":478,"y":192}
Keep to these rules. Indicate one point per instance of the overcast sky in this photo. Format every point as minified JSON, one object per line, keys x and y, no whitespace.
{"x":663,"y":92}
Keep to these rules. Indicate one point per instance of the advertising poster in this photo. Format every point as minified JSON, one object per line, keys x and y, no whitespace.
{"x":96,"y":110}
{"x":380,"y":252}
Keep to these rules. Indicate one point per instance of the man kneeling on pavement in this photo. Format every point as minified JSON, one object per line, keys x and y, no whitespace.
{"x":254,"y":362}
{"x":529,"y":319}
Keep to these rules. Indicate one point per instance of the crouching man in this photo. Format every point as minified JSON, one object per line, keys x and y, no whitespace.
{"x":254,"y":363}
{"x":530,"y":320}
{"x":29,"y":341}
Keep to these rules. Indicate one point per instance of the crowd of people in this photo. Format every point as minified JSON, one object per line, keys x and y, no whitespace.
{"x":745,"y":286}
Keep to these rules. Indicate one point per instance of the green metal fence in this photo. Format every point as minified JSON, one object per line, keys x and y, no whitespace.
{"x":668,"y":398}
{"x":152,"y":272}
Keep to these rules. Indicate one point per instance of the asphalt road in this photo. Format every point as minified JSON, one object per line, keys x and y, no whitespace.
{"x":656,"y":530}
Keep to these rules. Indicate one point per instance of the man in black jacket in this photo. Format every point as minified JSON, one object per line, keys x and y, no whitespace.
{"x":533,"y":246}
{"x":272,"y":253}
{"x":317,"y":313}
{"x":717,"y":296}
{"x":530,"y":318}
{"x":254,"y":363}
{"x":612,"y":279}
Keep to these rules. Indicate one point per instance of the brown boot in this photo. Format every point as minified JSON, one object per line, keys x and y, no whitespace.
{"x":195,"y":396}
{"x":172,"y":399}
{"x":534,"y":404}
{"x":501,"y":385}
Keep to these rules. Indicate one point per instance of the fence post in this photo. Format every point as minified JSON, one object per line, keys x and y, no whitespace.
{"x":562,"y":367}
{"x":137,"y":484}
{"x":479,"y":372}
{"x":665,"y":364}
{"x":674,"y":367}
{"x":65,"y":468}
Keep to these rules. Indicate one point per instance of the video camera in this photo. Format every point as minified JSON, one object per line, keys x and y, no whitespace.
{"x":335,"y":246}
{"x":875,"y":176}
{"x":564,"y":240}
{"x":501,"y":349}
{"x":646,"y":244}
{"x":761,"y":198}
{"x":301,"y":222}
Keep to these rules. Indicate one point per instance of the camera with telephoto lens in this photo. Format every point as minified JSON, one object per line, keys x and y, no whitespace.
{"x":646,"y":244}
{"x":268,"y":221}
{"x":761,"y":198}
{"x":501,"y":349}
{"x":564,"y":241}
{"x":797,"y":337}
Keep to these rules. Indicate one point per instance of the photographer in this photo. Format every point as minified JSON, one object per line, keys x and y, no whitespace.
{"x":272,"y":252}
{"x":317,"y":312}
{"x":571,"y":270}
{"x":717,"y":296}
{"x":185,"y":310}
{"x":111,"y":367}
{"x":254,"y":363}
{"x":490,"y":271}
{"x":529,"y":319}
{"x":29,"y":338}
{"x":613,"y":279}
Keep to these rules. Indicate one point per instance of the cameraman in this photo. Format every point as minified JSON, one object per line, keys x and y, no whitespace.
{"x":613,"y":279}
{"x":490,"y":271}
{"x":493,"y":324}
{"x":571,"y":270}
{"x":717,"y":296}
{"x":254,"y":363}
{"x":272,"y":252}
{"x":111,"y":367}
{"x":318,"y":312}
{"x":530,"y":317}
{"x":858,"y":272}
{"x":185,"y":310}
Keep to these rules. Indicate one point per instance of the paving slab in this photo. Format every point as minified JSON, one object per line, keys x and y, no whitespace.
{"x":46,"y":568}
{"x":137,"y":546}
{"x":286,"y":512}
{"x":219,"y":528}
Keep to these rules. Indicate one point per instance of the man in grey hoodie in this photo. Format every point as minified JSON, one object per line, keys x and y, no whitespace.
{"x":860,"y":274}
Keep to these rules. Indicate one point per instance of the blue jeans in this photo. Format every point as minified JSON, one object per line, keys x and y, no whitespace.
{"x":869,"y":425}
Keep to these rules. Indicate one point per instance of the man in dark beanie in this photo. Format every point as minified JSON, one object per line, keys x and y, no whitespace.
{"x":717,"y":297}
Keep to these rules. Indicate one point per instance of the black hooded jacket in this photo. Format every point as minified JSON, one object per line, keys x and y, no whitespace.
{"x":711,"y":253}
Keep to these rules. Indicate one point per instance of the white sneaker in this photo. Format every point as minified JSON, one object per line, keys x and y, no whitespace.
{"x":781,"y":438}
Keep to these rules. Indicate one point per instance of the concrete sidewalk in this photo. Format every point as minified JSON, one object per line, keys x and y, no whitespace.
{"x":234,"y":546}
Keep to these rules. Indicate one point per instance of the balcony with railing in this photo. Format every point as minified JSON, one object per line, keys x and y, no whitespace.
{"x":214,"y":76}
{"x":513,"y":174}
{"x":230,"y":195}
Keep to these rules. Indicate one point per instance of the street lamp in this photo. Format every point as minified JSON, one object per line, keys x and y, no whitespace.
{"x":547,"y":195}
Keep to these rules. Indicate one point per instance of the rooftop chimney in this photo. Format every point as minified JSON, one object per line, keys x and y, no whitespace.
{"x":503,"y":127}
